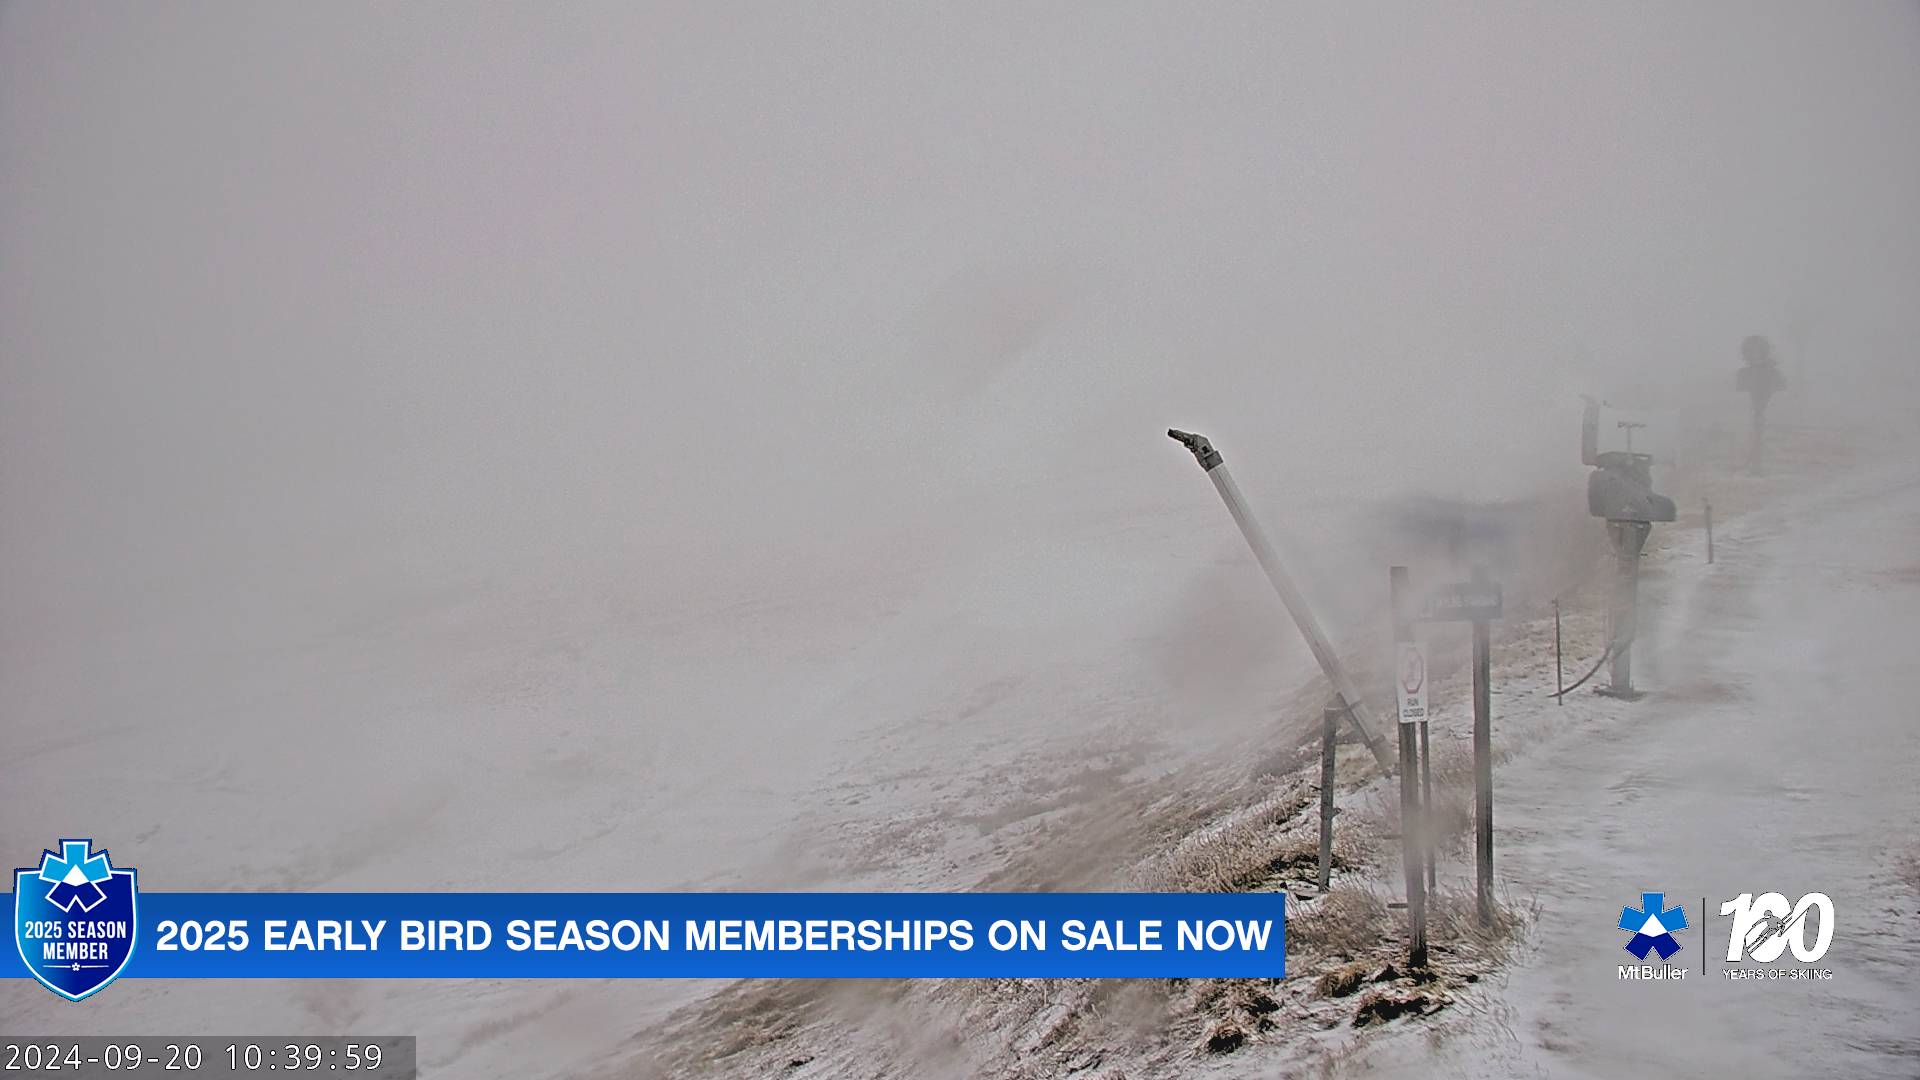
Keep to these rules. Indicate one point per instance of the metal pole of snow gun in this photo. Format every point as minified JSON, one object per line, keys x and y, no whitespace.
{"x":1290,"y":595}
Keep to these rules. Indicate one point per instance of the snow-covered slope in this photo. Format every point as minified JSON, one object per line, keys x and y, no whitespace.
{"x":1775,"y":754}
{"x":648,"y":446}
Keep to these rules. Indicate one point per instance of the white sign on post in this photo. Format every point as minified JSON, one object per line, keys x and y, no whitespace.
{"x":1410,"y":683}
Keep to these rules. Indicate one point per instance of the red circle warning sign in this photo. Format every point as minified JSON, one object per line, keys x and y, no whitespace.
{"x":1413,"y":670}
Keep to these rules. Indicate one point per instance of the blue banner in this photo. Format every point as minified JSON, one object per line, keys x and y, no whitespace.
{"x":706,"y":935}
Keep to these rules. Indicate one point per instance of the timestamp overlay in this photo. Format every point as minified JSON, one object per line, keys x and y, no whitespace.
{"x":389,"y":1057}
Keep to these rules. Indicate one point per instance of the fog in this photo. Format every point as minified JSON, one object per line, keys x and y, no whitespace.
{"x":700,"y":347}
{"x":306,"y":302}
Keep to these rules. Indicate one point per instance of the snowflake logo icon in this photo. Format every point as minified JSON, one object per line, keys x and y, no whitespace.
{"x":1652,"y":925}
{"x":76,"y":878}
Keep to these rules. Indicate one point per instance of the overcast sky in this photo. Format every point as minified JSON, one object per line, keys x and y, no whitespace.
{"x":305,"y":299}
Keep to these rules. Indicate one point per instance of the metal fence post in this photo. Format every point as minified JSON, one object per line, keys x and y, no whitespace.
{"x":1483,"y":762}
{"x":1329,"y":731}
{"x":1709,"y":506}
{"x":1559,"y":672}
{"x":1412,"y":827}
{"x":1429,"y":846}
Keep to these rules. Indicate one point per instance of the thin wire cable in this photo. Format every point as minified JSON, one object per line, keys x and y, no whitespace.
{"x":1591,"y":672}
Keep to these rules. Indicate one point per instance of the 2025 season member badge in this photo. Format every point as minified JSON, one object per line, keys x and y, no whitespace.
{"x":73,"y":919}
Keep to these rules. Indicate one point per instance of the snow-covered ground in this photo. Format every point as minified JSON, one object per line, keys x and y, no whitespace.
{"x":650,"y":447}
{"x":1714,"y":784}
{"x":1776,"y":753}
{"x":597,"y":740}
{"x":902,"y":714}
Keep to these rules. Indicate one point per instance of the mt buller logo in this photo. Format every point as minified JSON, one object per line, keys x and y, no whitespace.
{"x":74,"y":918}
{"x":1652,"y":926}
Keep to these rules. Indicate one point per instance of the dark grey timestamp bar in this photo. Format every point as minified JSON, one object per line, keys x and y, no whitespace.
{"x":77,"y":1057}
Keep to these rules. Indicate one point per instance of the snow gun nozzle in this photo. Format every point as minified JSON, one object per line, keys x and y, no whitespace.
{"x":1203,"y":451}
